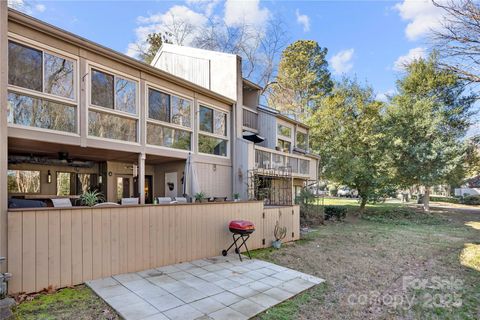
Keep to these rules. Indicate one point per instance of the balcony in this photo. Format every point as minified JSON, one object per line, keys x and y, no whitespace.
{"x":250,"y":119}
{"x":277,"y":160}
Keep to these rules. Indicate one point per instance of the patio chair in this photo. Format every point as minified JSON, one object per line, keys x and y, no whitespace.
{"x":106,"y":204}
{"x":181,"y":199}
{"x":129,"y":201}
{"x":164,"y":200}
{"x":62,"y":203}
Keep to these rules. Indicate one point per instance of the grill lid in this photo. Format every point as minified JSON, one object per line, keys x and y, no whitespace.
{"x":241,"y":225}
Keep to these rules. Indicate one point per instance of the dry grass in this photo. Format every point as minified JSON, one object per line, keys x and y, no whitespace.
{"x":373,"y":256}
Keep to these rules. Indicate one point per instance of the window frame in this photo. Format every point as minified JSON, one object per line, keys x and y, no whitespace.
{"x":48,"y":96}
{"x":210,"y":134}
{"x":149,"y":85}
{"x":118,"y":113}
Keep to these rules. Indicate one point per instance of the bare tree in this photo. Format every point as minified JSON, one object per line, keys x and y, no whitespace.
{"x":458,"y":40}
{"x":260,"y":48}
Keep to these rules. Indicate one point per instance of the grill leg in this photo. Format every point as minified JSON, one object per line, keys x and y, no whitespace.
{"x":244,"y":243}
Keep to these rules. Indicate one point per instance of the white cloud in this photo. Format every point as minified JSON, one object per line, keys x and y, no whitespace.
{"x":303,"y":20}
{"x":40,"y":7}
{"x":27,"y":7}
{"x":238,"y":12}
{"x":194,"y":15}
{"x":423,"y":16}
{"x":412,"y":55}
{"x":185,"y":21}
{"x":342,"y":61}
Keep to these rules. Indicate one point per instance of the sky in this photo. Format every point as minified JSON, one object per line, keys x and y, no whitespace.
{"x":369,"y":40}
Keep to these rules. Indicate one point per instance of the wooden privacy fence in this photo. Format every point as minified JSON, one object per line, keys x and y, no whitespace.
{"x":54,"y":248}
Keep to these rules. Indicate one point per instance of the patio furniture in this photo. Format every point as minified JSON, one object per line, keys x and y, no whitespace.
{"x":219,"y":199}
{"x":62,"y":203}
{"x":129,"y":201}
{"x":23,"y":203}
{"x":240,"y":229}
{"x":106,"y":204}
{"x":164,"y":200}
{"x":181,"y":199}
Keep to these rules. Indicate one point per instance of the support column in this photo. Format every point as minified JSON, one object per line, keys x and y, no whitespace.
{"x":3,"y":130}
{"x":141,"y":177}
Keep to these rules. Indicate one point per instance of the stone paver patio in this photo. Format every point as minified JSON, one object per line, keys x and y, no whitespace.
{"x":213,"y":288}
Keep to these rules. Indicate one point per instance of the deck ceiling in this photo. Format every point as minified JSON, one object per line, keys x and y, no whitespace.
{"x":18,"y":146}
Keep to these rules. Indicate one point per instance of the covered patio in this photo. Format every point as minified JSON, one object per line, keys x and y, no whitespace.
{"x":211,"y":288}
{"x":44,"y":171}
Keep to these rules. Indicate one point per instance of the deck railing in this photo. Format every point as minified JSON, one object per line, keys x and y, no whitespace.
{"x":272,"y":159}
{"x":50,"y":248}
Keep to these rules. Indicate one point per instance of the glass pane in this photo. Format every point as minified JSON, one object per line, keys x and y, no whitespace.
{"x":119,"y":188}
{"x":126,"y":93}
{"x":58,"y":76}
{"x":64,"y":183}
{"x":111,"y":126}
{"x":85,"y":182}
{"x":206,"y":119}
{"x":220,"y":123}
{"x":102,"y":89}
{"x":262,"y":159}
{"x":23,"y":181}
{"x":34,"y":112}
{"x":212,"y":145}
{"x":168,"y":137}
{"x":302,"y":140}
{"x":158,"y":105}
{"x":284,"y":131}
{"x":24,"y":66}
{"x":181,"y":111}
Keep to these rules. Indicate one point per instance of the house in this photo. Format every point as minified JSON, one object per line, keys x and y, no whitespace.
{"x":271,"y":159}
{"x":76,"y":115}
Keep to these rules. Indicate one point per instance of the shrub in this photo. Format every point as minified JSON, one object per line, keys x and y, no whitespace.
{"x":333,"y":191}
{"x":471,"y":200}
{"x":336,"y":212}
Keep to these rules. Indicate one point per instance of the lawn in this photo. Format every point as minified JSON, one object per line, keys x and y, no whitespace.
{"x":395,"y":263}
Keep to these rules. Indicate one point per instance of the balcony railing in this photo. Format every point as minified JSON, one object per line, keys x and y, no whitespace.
{"x":271,"y":159}
{"x":250,"y":119}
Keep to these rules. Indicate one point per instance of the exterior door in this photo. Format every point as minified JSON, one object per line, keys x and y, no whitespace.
{"x":148,"y":188}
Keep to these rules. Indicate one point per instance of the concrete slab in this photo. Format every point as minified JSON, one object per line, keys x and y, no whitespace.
{"x":220,"y":288}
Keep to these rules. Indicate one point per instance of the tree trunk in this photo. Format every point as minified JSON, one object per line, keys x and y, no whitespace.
{"x":363,"y":203}
{"x":426,"y":200}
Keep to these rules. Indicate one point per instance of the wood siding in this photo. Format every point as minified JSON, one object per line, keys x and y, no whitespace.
{"x":55,"y":248}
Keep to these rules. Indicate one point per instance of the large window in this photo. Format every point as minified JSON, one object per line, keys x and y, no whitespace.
{"x":41,"y":89}
{"x":169,"y":122}
{"x":40,"y":113}
{"x":23,"y":181}
{"x":113,"y":111}
{"x":71,"y":183}
{"x":284,"y":131}
{"x":213,"y":137}
{"x":302,"y":140}
{"x":168,"y":137}
{"x":110,"y":126}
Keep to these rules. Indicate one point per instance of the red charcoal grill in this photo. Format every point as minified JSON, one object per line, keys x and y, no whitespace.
{"x":240,"y":229}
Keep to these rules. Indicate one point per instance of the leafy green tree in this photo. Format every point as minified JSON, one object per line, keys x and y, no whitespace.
{"x":348,"y":133}
{"x":427,"y":121}
{"x":303,"y":79}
